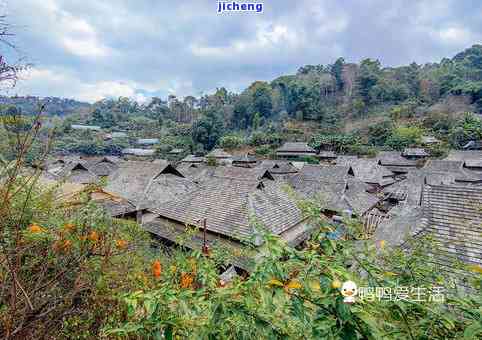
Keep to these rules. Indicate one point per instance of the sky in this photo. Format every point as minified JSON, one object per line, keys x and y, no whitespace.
{"x":91,"y":49}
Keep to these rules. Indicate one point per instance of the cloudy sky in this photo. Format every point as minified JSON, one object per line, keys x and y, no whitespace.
{"x":89,"y":49}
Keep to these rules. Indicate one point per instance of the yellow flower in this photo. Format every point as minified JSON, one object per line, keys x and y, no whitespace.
{"x":69,"y":227}
{"x":173,"y":269}
{"x":156,"y":269}
{"x":293,"y":284}
{"x":335,"y":284}
{"x":93,"y":236}
{"x":121,"y":244}
{"x":475,"y":268}
{"x":274,"y":282}
{"x":35,"y":228}
{"x":382,"y":244}
{"x":390,"y":274}
{"x":186,"y":280}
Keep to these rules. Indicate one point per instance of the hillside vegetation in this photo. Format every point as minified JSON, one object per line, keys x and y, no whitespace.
{"x":366,"y":105}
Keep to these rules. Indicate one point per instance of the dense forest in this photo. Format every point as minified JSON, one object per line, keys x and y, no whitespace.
{"x":354,"y":108}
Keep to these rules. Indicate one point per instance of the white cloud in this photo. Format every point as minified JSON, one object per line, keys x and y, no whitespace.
{"x":61,"y":82}
{"x":268,"y":37}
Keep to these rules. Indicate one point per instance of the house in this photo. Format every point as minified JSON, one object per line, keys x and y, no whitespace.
{"x":247,"y":161}
{"x":72,"y":195}
{"x":408,"y":192}
{"x":75,"y":172}
{"x":235,"y":213}
{"x":393,"y":161}
{"x":133,"y":178}
{"x":220,"y":155}
{"x":368,"y":171}
{"x":473,"y":145}
{"x":327,"y":156}
{"x":472,"y":159}
{"x":86,"y":127}
{"x":102,"y":166}
{"x":119,"y":134}
{"x":193,"y":159}
{"x":415,"y":153}
{"x":295,"y":150}
{"x":280,"y":170}
{"x":429,"y":140}
{"x":455,"y":169}
{"x":148,"y":141}
{"x":175,"y":152}
{"x":336,"y":187}
{"x":139,"y":152}
{"x":451,"y":215}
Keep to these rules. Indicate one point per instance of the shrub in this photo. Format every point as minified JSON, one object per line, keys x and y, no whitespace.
{"x":404,"y":136}
{"x":231,"y":142}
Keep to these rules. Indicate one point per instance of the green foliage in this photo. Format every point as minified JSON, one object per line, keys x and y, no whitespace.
{"x":404,"y":136}
{"x":211,"y":160}
{"x":231,"y":141}
{"x":466,"y":129}
{"x":208,"y":129}
{"x":378,"y":133}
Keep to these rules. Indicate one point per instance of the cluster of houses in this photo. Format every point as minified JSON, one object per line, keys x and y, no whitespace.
{"x":396,"y":195}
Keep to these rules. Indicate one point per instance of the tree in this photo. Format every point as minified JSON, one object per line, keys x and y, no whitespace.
{"x":208,"y":129}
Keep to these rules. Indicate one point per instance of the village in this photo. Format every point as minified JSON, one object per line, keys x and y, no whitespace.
{"x":231,"y":200}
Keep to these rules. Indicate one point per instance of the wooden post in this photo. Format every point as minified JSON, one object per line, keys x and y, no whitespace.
{"x":205,"y":249}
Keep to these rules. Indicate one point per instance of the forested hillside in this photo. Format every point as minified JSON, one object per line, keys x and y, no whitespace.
{"x":350,"y":107}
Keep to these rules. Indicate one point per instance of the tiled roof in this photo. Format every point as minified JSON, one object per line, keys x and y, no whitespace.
{"x":327,"y":154}
{"x":219,"y":153}
{"x":415,"y":152}
{"x":335,"y":187}
{"x":295,"y":147}
{"x":394,"y":158}
{"x":244,"y":159}
{"x":453,"y":216}
{"x":368,"y":170}
{"x":454,"y":168}
{"x":132,"y":178}
{"x":230,"y":205}
{"x":278,"y":167}
{"x":192,"y":159}
{"x":470,"y":158}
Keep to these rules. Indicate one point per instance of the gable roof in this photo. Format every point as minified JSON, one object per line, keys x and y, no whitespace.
{"x":278,"y":167}
{"x":415,"y":152}
{"x":429,"y":140}
{"x":139,"y":152}
{"x":163,"y":188}
{"x":410,"y":191}
{"x":132,"y":178}
{"x":325,"y":173}
{"x":471,"y":158}
{"x":335,"y":187}
{"x":230,"y":205}
{"x":453,"y":216}
{"x":85,"y":127}
{"x":239,"y":173}
{"x":244,"y":159}
{"x":75,"y":172}
{"x":455,"y":168}
{"x":148,"y":141}
{"x":219,"y":153}
{"x":295,"y":147}
{"x":327,"y":154}
{"x":394,"y":158}
{"x":192,"y":159}
{"x":368,"y":170}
